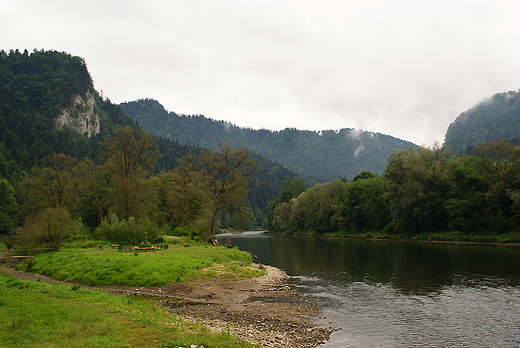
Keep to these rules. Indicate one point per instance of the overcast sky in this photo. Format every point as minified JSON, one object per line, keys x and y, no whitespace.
{"x":402,"y":68}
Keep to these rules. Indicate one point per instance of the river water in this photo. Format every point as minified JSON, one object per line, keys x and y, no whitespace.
{"x":401,"y":294}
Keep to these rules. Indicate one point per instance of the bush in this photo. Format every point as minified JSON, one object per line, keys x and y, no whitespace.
{"x":129,"y":232}
{"x":189,"y":231}
{"x":50,"y":228}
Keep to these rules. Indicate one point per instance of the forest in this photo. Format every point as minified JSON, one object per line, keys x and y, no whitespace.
{"x":426,"y":193}
{"x":314,"y":156}
{"x":43,"y":167}
{"x":495,"y":119}
{"x":58,"y":184}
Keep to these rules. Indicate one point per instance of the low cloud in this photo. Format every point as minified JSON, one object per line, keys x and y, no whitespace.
{"x":406,"y":69}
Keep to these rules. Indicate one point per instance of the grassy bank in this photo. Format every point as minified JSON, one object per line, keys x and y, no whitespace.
{"x":138,"y":268}
{"x":36,"y":314}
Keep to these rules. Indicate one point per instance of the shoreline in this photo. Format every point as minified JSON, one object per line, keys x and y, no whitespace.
{"x":263,"y":310}
{"x":433,"y":241}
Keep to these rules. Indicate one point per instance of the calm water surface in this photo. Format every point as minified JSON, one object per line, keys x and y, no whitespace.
{"x":401,"y":294}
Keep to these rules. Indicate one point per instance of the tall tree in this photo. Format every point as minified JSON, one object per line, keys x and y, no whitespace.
{"x":226,"y":172}
{"x":498,"y":162}
{"x":8,"y":207}
{"x":417,"y":184}
{"x":54,"y":186}
{"x":95,"y":182}
{"x":183,"y":194}
{"x":130,"y":155}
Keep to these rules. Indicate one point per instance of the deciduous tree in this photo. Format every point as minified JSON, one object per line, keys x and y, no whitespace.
{"x":55,"y":185}
{"x":226,"y":172}
{"x":183,"y":194}
{"x":95,"y":182}
{"x":129,"y":156}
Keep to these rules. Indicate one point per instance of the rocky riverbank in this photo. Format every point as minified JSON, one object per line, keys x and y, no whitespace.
{"x":262,"y":310}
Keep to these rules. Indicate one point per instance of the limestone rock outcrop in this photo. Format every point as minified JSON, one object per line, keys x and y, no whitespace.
{"x":80,"y":116}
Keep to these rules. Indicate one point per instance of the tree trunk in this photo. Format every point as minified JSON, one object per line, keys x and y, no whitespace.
{"x":214,"y":221}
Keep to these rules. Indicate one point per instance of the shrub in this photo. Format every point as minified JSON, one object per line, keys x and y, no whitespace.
{"x":129,"y":232}
{"x":51,"y":227}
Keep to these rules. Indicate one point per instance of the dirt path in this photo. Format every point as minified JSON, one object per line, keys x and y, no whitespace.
{"x":262,"y":310}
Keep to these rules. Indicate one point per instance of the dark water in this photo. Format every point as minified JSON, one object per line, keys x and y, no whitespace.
{"x":401,"y":294}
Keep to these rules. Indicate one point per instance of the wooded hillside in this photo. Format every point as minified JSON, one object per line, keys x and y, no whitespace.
{"x":316,"y":156}
{"x":490,"y":120}
{"x":35,"y":88}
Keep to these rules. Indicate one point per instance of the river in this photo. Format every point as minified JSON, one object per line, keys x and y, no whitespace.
{"x":400,"y":294}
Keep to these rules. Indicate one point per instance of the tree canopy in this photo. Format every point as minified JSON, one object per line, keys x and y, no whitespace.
{"x":422,"y":191}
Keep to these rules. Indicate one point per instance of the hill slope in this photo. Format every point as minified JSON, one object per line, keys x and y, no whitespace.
{"x":495,"y":119}
{"x":317,"y":156}
{"x":48,"y":104}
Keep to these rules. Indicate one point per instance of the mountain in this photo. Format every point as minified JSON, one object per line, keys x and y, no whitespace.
{"x":495,"y":119}
{"x":316,"y":156}
{"x":48,"y":104}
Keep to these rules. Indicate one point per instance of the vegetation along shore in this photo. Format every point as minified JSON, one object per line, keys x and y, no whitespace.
{"x":177,"y":297}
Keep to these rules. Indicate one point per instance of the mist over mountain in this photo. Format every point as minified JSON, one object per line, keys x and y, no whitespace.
{"x":318,"y":156}
{"x":497,"y":118}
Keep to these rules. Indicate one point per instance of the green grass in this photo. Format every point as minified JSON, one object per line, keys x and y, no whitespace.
{"x":153,"y":268}
{"x":36,"y":314}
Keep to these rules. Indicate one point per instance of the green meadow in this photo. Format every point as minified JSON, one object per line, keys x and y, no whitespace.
{"x":143,"y":268}
{"x":36,"y":314}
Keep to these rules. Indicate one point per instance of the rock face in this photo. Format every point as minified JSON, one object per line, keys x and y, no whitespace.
{"x":80,"y":116}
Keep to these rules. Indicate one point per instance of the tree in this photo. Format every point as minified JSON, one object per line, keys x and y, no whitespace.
{"x":364,"y":204}
{"x":497,"y":161}
{"x":95,"y":182}
{"x":417,"y":185}
{"x":55,"y":185}
{"x":226,"y":172}
{"x":50,"y":227}
{"x":129,"y":157}
{"x":183,"y":195}
{"x":466,"y":206}
{"x":8,"y":207}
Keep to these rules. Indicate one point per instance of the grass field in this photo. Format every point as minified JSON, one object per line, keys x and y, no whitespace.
{"x":36,"y":314}
{"x":151,"y":268}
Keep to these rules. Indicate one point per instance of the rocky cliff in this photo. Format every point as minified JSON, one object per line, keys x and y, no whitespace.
{"x":80,"y":116}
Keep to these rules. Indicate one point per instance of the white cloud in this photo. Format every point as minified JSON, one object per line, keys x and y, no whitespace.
{"x":403,"y":68}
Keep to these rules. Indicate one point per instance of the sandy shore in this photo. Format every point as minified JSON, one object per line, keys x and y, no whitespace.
{"x":262,"y":310}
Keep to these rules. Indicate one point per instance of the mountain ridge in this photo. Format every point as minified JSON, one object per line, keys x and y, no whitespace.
{"x":318,"y":156}
{"x":497,"y":118}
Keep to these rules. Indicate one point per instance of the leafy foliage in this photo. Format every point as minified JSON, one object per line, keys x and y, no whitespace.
{"x":50,"y":227}
{"x":34,"y":88}
{"x":42,"y":166}
{"x":127,"y":232}
{"x":226,"y":172}
{"x":422,"y":192}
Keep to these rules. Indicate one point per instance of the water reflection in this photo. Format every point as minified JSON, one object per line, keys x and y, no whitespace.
{"x":410,"y":267}
{"x":401,"y":294}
